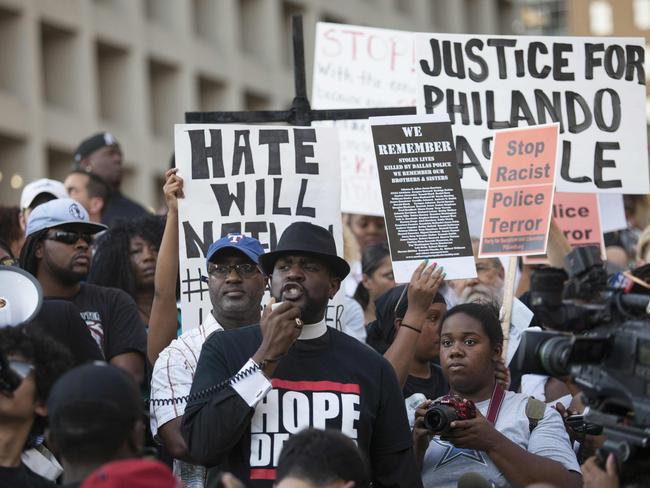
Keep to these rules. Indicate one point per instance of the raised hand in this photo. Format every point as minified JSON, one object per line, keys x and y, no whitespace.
{"x":423,"y":286}
{"x":281,"y":326}
{"x":173,"y":189}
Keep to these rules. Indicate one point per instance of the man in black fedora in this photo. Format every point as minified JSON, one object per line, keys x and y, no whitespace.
{"x":291,"y":372}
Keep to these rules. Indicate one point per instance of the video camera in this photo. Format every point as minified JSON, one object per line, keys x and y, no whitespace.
{"x":601,"y":338}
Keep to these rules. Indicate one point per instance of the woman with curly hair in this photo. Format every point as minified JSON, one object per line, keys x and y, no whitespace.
{"x":125,"y":258}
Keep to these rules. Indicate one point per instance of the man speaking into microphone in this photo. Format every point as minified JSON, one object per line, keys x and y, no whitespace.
{"x":291,"y":372}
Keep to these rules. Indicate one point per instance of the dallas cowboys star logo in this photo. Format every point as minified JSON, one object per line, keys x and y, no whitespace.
{"x":452,"y":452}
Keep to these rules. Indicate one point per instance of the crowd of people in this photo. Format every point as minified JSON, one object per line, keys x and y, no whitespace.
{"x":110,"y":390}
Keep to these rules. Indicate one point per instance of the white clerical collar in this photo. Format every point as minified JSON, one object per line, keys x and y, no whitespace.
{"x":312,"y":331}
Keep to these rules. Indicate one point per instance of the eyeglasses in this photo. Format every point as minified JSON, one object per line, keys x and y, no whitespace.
{"x":21,"y":368}
{"x":244,"y":270}
{"x":69,"y":237}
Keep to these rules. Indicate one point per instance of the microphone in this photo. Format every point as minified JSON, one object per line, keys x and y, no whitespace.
{"x":474,"y":480}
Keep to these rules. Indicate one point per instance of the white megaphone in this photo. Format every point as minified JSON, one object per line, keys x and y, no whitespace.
{"x":21,"y":296}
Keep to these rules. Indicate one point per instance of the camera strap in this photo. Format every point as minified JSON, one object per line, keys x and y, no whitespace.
{"x":495,"y":403}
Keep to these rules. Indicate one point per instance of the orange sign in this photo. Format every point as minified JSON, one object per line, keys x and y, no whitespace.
{"x":520,"y":191}
{"x":578,"y":217}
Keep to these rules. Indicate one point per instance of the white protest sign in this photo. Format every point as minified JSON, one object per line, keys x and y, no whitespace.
{"x":361,"y":67}
{"x":612,"y":212}
{"x":594,"y":87}
{"x":252,"y":180}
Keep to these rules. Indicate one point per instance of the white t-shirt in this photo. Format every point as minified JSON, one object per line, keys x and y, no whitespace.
{"x":444,"y":464}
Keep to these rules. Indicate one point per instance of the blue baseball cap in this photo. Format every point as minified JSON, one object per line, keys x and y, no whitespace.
{"x":59,"y":212}
{"x":250,"y":246}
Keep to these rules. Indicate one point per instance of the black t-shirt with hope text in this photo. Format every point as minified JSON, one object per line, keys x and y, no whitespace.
{"x":112,"y":318}
{"x":330,"y":382}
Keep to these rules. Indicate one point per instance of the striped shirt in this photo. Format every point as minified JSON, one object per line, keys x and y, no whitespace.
{"x":174,"y":371}
{"x":172,"y":378}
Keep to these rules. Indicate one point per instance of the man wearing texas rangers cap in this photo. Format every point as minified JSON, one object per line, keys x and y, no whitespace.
{"x":236,"y":286}
{"x":57,"y":252}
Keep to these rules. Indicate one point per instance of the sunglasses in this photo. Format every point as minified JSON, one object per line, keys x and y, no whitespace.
{"x":69,"y":237}
{"x":21,"y":368}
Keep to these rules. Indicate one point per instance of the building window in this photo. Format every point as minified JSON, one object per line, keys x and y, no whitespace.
{"x":642,"y":14}
{"x":600,"y":18}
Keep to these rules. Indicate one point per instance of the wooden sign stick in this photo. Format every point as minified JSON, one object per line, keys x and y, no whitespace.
{"x":508,"y":297}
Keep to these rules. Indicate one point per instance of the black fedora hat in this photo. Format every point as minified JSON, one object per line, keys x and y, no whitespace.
{"x":304,"y":237}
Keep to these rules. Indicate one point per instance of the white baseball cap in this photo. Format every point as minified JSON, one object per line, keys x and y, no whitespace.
{"x":44,"y":185}
{"x":60,"y":212}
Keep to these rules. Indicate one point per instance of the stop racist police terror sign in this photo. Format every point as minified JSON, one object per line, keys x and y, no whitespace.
{"x":520,"y":191}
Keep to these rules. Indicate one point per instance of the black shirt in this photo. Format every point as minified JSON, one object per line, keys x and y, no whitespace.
{"x":432,"y":387}
{"x":120,"y":207}
{"x":60,"y":320}
{"x":329,"y":382}
{"x":112,"y":318}
{"x":22,"y":477}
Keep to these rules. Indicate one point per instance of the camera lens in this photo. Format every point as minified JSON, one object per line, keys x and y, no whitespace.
{"x":439,"y":417}
{"x":554,"y":355}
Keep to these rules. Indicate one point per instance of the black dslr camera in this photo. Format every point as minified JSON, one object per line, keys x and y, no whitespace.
{"x":601,"y":338}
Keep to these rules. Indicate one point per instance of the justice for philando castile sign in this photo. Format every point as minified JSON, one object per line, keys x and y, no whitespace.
{"x":593,"y":87}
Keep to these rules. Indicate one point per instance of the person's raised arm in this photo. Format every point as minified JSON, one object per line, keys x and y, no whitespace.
{"x":163,"y":319}
{"x":421,"y":291}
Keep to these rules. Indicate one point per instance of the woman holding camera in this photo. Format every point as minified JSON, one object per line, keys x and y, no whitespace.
{"x":501,"y":443}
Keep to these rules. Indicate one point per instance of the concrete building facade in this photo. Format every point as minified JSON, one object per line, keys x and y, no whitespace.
{"x":69,"y":68}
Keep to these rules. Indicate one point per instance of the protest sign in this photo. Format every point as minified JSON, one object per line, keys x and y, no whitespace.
{"x":577,"y":216}
{"x":255,"y":181}
{"x":520,"y":192}
{"x":594,"y":88}
{"x":422,"y":199}
{"x":612,"y":212}
{"x":361,"y":67}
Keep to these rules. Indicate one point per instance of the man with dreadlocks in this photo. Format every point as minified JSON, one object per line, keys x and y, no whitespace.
{"x":125,"y":257}
{"x":57,"y":253}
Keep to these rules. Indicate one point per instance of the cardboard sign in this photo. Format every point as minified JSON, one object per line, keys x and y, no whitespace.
{"x":519,"y":198}
{"x":255,"y":181}
{"x":577,"y":216}
{"x":594,"y":87}
{"x":361,"y":67}
{"x":422,"y":198}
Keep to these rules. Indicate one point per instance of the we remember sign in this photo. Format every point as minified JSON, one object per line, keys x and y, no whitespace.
{"x":250,"y":180}
{"x":593,"y":87}
{"x":423,"y":202}
{"x":519,"y":198}
{"x":361,"y":67}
